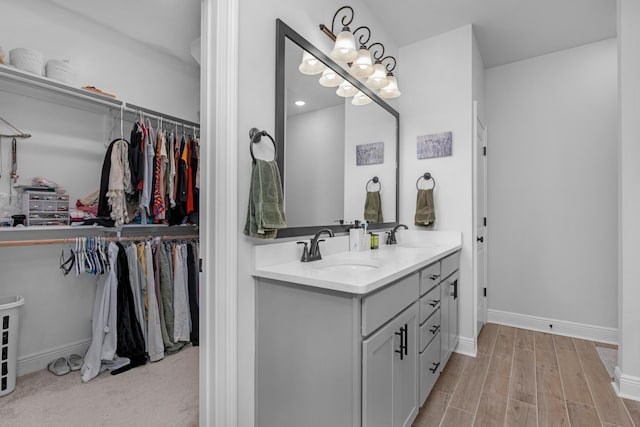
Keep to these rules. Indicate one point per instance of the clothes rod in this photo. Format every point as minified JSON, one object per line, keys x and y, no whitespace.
{"x":108,"y":239}
{"x":157,"y":115}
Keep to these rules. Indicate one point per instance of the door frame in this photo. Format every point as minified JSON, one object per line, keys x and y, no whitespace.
{"x":476,"y":155}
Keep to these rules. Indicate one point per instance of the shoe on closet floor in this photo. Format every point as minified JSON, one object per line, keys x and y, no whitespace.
{"x":75,"y":362}
{"x":59,"y":366}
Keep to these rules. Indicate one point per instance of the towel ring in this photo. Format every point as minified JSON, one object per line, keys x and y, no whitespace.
{"x":375,"y":180}
{"x":255,"y":136}
{"x":427,"y":176}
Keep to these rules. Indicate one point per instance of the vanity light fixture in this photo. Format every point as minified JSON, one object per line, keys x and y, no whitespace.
{"x":310,"y":64}
{"x":330,"y":78}
{"x":368,"y":65}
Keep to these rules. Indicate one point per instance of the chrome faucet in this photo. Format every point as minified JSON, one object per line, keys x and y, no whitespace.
{"x":313,"y":254}
{"x":391,"y":235}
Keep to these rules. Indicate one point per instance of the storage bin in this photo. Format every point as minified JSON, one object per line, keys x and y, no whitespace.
{"x":9,"y":307}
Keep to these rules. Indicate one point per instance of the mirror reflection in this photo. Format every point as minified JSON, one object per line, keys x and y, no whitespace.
{"x":336,"y":140}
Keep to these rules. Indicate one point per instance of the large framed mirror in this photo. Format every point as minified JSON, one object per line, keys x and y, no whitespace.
{"x":330,"y":151}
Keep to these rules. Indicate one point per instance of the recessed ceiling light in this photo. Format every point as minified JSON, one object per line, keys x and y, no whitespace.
{"x":300,"y":103}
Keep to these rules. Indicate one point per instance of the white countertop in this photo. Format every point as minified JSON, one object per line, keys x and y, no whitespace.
{"x":415,"y":251}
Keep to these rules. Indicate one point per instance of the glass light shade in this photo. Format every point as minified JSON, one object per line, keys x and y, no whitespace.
{"x":346,"y":89}
{"x":330,"y":78}
{"x":310,"y":64}
{"x":391,"y":89}
{"x":344,"y":50}
{"x":378,"y":79}
{"x":363,"y":66}
{"x":360,"y":99}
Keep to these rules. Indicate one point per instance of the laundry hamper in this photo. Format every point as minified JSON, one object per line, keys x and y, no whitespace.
{"x":9,"y":342}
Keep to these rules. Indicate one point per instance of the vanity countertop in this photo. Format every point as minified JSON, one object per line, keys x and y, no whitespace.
{"x":360,"y":272}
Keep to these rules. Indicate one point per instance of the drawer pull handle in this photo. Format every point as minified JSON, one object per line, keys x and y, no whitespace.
{"x":435,"y":367}
{"x":435,"y":329}
{"x":434,"y":276}
{"x":434,"y":302}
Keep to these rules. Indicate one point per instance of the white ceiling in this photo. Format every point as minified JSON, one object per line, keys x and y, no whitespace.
{"x":506,"y":30}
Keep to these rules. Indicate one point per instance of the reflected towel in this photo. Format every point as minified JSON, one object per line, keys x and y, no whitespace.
{"x":373,"y":207}
{"x":265,"y":214}
{"x":425,"y":210}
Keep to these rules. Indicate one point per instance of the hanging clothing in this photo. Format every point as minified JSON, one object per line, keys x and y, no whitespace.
{"x":192,"y":274}
{"x":155,"y":344}
{"x":181,"y":327}
{"x":104,"y":341}
{"x":136,"y":280}
{"x":130,"y":342}
{"x":166,"y":293}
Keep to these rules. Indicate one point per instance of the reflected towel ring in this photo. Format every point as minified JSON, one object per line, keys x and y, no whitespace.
{"x":375,"y":180}
{"x":255,"y":136}
{"x":427,"y":176}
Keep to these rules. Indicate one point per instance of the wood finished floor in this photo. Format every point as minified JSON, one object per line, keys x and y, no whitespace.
{"x":525,"y":378}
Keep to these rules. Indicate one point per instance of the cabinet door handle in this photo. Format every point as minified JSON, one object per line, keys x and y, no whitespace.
{"x":455,"y":289}
{"x":435,"y":367}
{"x":435,"y":329}
{"x":402,"y":345}
{"x":434,"y":302}
{"x":406,"y":339}
{"x":434,"y":276}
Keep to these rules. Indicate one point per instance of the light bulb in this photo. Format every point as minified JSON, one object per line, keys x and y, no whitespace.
{"x":310,"y":64}
{"x":346,"y":89}
{"x":344,"y":50}
{"x":330,"y":78}
{"x":362,"y":67}
{"x":378,"y":79}
{"x":391,"y":89}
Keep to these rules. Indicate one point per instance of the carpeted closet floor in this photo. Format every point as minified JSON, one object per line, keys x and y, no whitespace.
{"x":159,"y":394}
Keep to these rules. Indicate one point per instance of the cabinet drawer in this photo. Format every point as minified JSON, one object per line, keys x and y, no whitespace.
{"x":430,"y":329}
{"x":429,"y":303}
{"x":429,"y":277}
{"x":381,"y":306}
{"x":429,"y":369}
{"x":450,"y":264}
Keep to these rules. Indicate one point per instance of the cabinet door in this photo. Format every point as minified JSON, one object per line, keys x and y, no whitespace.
{"x":390,"y":373}
{"x":444,"y":326}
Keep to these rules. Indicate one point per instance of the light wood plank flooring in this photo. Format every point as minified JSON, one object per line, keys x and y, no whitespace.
{"x":529,"y":379}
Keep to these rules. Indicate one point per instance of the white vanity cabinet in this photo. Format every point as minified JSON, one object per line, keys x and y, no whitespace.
{"x":342,"y":359}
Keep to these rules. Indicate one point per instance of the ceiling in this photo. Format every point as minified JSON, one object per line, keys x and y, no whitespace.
{"x":506,"y":30}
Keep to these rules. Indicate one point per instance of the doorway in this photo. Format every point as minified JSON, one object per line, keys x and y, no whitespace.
{"x":480,"y":217}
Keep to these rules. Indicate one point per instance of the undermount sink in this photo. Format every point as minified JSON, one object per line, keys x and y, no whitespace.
{"x":347,"y":265}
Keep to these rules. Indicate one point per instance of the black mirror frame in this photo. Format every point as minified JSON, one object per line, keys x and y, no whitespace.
{"x":283,"y":31}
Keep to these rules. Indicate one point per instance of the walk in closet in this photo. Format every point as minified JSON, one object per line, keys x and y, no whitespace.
{"x":147,"y":75}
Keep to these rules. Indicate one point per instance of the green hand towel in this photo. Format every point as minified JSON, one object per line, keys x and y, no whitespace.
{"x":425,"y":210}
{"x":373,"y":207}
{"x":265,"y":214}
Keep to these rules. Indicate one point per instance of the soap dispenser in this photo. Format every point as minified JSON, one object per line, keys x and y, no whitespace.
{"x":355,"y":237}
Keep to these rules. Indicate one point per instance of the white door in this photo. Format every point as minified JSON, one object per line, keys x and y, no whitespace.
{"x":480,"y":218}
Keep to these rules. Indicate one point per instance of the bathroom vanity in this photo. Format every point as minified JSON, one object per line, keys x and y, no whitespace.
{"x":357,"y":338}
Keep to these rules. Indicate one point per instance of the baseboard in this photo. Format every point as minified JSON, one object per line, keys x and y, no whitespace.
{"x":36,"y":361}
{"x":466,"y":346}
{"x":626,"y":386}
{"x":560,"y":327}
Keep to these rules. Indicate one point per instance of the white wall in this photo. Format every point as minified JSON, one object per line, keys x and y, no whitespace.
{"x":366,"y":124}
{"x":552,"y":168}
{"x":628,"y":371}
{"x":437,"y":97}
{"x":314,"y":164}
{"x":256,"y":101}
{"x":68,"y":146}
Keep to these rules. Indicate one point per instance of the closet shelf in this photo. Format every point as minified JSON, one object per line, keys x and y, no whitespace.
{"x":45,"y":87}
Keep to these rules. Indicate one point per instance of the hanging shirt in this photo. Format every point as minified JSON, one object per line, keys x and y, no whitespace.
{"x":172,"y":170}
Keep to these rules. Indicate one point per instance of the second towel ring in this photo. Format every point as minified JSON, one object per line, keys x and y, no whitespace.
{"x":255,"y":136}
{"x":427,"y":176}
{"x":375,"y":180}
